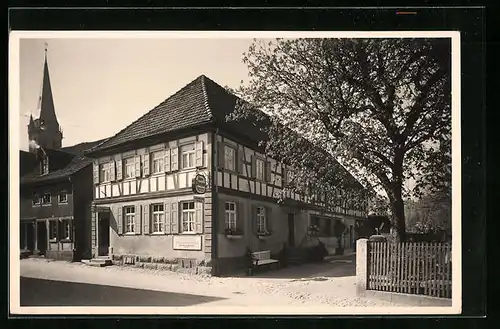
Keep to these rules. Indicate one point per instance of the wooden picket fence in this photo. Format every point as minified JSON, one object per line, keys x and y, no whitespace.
{"x":421,"y":268}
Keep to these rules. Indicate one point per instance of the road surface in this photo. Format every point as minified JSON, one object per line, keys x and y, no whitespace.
{"x":41,"y":292}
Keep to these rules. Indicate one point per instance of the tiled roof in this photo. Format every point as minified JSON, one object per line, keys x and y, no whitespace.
{"x":77,"y":163}
{"x":79,"y":149}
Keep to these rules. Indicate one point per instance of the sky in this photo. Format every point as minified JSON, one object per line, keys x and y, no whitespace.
{"x":102,"y":85}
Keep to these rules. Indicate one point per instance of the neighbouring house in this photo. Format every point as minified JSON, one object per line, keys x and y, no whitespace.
{"x":182,"y":184}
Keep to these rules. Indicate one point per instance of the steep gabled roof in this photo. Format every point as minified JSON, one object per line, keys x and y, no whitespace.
{"x":75,"y":165}
{"x":79,"y":149}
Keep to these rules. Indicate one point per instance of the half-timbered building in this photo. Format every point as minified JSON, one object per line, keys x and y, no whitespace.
{"x":145,"y":205}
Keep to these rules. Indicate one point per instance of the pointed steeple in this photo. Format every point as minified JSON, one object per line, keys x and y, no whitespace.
{"x":47,"y":110}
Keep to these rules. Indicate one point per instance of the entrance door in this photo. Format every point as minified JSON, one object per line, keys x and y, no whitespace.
{"x":103,"y":234}
{"x":291,"y":230}
{"x":42,"y":241}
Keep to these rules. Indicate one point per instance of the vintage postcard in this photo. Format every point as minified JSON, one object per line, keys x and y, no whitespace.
{"x":235,"y":172}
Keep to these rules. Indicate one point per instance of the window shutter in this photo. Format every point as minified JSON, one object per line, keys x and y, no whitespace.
{"x":119,"y":221}
{"x":221,"y":157}
{"x":71,"y":228}
{"x":119,"y":170}
{"x":174,"y":218}
{"x":253,"y":219}
{"x":240,"y":217}
{"x":166,"y":219}
{"x":174,"y":158}
{"x":145,"y":166}
{"x":137,"y":220}
{"x":137,"y":166}
{"x":96,"y":173}
{"x":166,"y":160}
{"x":199,"y":154}
{"x":198,"y":206}
{"x":269,"y":218}
{"x":146,"y":219}
{"x":241,"y":159}
{"x":254,"y":166}
{"x":222,"y":216}
{"x":268,"y":171}
{"x":112,"y":171}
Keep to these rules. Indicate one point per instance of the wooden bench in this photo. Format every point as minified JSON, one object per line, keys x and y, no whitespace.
{"x":262,"y":258}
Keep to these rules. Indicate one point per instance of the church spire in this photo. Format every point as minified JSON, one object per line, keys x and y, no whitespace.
{"x":47,"y":110}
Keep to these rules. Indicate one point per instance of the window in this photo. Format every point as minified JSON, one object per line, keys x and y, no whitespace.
{"x":230,"y":214}
{"x":129,"y":219}
{"x":157,"y":159}
{"x":158,"y":218}
{"x":63,"y":197}
{"x":53,"y":230}
{"x":129,"y":167}
{"x":261,"y":220}
{"x":46,"y":199}
{"x":66,"y":230}
{"x":229,"y":157}
{"x":36,"y":199}
{"x":104,"y":172}
{"x":259,"y":170}
{"x":187,"y":156}
{"x":188,"y":214}
{"x":45,"y":165}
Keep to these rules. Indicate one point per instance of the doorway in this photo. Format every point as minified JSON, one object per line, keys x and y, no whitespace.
{"x":41,"y":235}
{"x":103,"y":229}
{"x":291,"y":230}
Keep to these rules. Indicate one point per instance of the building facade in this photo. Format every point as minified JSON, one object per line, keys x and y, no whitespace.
{"x":145,"y":204}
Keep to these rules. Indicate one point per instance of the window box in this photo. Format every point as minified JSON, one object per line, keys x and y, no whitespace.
{"x":235,"y":234}
{"x":264,"y":235}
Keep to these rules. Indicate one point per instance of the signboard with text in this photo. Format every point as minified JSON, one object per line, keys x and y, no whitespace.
{"x":187,"y":242}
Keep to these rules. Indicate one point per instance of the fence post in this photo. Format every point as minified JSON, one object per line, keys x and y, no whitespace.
{"x":361,"y":266}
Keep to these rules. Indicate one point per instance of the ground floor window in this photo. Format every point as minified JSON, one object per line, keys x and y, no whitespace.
{"x":65,"y":230}
{"x":158,"y":218}
{"x":129,"y":219}
{"x":261,"y":220}
{"x":52,"y":229}
{"x":230,"y":214}
{"x":188,"y":217}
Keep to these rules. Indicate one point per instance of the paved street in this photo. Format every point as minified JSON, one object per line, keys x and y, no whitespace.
{"x":41,"y":292}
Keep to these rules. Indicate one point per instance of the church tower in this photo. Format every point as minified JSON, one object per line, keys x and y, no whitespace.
{"x":45,"y":130}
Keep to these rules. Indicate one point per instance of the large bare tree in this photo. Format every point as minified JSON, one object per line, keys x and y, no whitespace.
{"x":382,"y":107}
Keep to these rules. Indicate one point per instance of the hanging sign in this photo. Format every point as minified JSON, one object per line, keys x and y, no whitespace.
{"x":199,"y":184}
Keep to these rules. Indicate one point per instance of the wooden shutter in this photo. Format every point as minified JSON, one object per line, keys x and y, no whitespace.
{"x":199,"y":154}
{"x":174,"y":159}
{"x":253,"y":219}
{"x":146,"y":219}
{"x":174,"y":217}
{"x":96,"y":172}
{"x":241,"y":159}
{"x":269,"y":218}
{"x":145,"y":165}
{"x":222,"y":216}
{"x":240,"y":216}
{"x":119,"y":170}
{"x":137,"y":166}
{"x":198,"y":206}
{"x":166,"y":161}
{"x":167,"y":224}
{"x":119,"y":221}
{"x":254,"y":166}
{"x":112,"y":171}
{"x":268,"y":171}
{"x":221,"y":154}
{"x":137,"y":220}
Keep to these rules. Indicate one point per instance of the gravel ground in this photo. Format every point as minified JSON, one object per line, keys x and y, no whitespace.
{"x":330,"y":283}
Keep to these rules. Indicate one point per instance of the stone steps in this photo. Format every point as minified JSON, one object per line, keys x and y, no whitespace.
{"x":99,"y":261}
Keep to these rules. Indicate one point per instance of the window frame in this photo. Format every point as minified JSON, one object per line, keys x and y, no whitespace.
{"x":161,"y":217}
{"x":53,"y":228}
{"x":129,"y":216}
{"x":189,"y":211}
{"x":36,"y":202}
{"x":261,"y":216}
{"x":257,"y":161}
{"x":59,"y":197}
{"x":66,"y":224}
{"x":188,"y":153}
{"x":228,"y":213}
{"x":160,"y":160}
{"x":126,"y":165}
{"x":233,"y":161}
{"x":105,"y":172}
{"x":44,"y":165}
{"x":43,"y":199}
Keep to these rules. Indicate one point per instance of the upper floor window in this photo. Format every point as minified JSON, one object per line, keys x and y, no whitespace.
{"x":229,"y":158}
{"x":188,"y":217}
{"x":129,"y":165}
{"x":46,"y":199}
{"x":187,"y":156}
{"x":158,"y":218}
{"x":36,"y":199}
{"x":230,"y":214}
{"x":63,"y":196}
{"x":104,"y":172}
{"x":129,"y":219}
{"x":45,"y":165}
{"x":261,"y":220}
{"x":157,"y":160}
{"x":259,"y":170}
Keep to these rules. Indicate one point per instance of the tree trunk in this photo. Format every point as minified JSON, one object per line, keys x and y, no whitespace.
{"x":397,"y":204}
